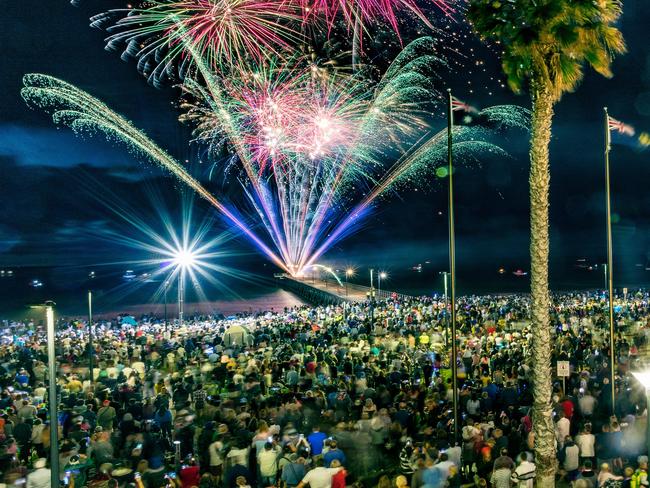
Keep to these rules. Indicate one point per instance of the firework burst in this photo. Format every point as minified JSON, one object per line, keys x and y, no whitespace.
{"x":358,"y":13}
{"x":222,"y":31}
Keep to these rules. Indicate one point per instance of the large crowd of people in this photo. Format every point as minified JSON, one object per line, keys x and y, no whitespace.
{"x":326,"y":397}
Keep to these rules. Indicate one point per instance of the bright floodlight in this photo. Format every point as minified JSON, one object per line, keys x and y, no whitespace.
{"x":184,"y":258}
{"x":383,"y":275}
{"x":643,"y":377}
{"x":349,"y":272}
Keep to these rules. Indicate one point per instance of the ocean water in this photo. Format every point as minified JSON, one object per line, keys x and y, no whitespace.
{"x":255,"y":290}
{"x":113,"y":294}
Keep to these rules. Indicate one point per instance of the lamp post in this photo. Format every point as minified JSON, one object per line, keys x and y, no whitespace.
{"x":165,"y":293}
{"x":52,"y":394}
{"x":372,"y":298}
{"x":445,"y":275}
{"x":90,"y":336}
{"x":184,"y":259}
{"x":348,"y":274}
{"x":381,"y":276}
{"x":643,"y":377}
{"x":181,"y":295}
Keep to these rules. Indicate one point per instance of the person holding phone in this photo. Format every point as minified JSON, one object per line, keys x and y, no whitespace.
{"x":267,"y":460}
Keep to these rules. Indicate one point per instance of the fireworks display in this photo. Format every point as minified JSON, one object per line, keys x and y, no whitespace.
{"x":314,"y":147}
{"x":311,"y":144}
{"x":229,"y":33}
{"x":360,"y":12}
{"x":302,"y":133}
{"x":222,"y":31}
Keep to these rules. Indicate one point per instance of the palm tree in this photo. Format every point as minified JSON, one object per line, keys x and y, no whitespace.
{"x":545,"y":45}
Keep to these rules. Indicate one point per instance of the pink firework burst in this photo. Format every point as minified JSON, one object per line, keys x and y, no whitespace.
{"x":359,"y":12}
{"x":223,"y":31}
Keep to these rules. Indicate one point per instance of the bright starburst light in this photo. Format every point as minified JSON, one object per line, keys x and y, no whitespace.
{"x":164,"y":249}
{"x":185,"y":258}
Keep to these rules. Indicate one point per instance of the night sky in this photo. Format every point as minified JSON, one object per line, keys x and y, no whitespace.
{"x":50,"y":179}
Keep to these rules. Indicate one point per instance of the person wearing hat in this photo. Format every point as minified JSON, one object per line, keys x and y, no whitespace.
{"x":102,"y":447}
{"x":78,"y":467}
{"x":106,"y":416}
{"x":40,"y":477}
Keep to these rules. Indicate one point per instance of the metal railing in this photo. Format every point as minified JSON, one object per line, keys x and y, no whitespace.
{"x":346,"y":289}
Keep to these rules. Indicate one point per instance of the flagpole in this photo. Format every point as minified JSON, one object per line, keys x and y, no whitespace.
{"x":610,"y":275}
{"x":452,"y":264}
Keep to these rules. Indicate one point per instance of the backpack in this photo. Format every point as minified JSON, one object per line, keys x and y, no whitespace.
{"x":637,"y":477}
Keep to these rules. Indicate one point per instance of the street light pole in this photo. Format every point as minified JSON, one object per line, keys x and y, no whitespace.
{"x":166,"y":287}
{"x":609,"y":274}
{"x":90,"y":336}
{"x":445,"y":275}
{"x":372,"y":299}
{"x":348,"y":273}
{"x":452,"y":262}
{"x":52,"y":395}
{"x":181,"y":295}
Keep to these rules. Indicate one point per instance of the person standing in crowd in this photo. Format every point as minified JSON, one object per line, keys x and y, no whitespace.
{"x":320,"y":476}
{"x":323,"y":391}
{"x":41,"y":476}
{"x":524,"y":474}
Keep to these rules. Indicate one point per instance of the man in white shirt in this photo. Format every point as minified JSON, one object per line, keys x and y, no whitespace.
{"x":562,"y":429}
{"x":267,"y":461}
{"x":319,"y":477}
{"x":586,"y":441}
{"x":524,"y":474}
{"x":587,"y":404}
{"x":40,"y":477}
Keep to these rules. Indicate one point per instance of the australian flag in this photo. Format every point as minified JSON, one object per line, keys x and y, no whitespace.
{"x":464,"y":113}
{"x":621,"y":133}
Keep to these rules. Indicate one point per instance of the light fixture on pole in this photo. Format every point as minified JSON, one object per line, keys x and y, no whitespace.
{"x":381,"y":276}
{"x":643,"y":377}
{"x":349,"y":273}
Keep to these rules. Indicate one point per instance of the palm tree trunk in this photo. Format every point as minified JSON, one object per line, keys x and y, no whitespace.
{"x":539,"y":179}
